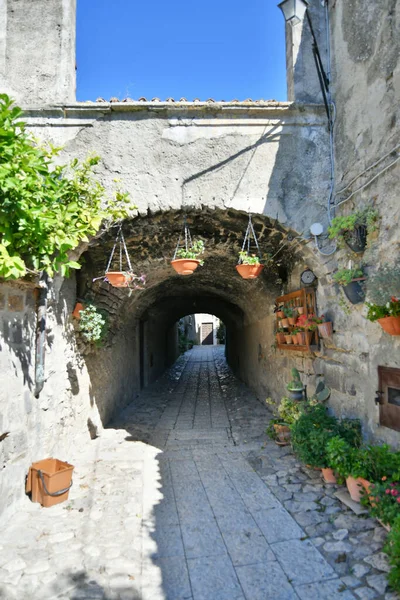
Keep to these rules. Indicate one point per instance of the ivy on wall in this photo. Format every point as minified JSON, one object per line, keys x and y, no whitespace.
{"x":46,"y":209}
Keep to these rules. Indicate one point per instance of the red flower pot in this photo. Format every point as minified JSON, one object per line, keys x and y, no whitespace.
{"x":118,"y":278}
{"x":390,"y":324}
{"x":325,"y":329}
{"x":185,"y":266}
{"x":294,"y":339}
{"x":354,"y":486}
{"x":288,"y":339}
{"x":77,"y":310}
{"x":285,"y":323}
{"x":328,"y":475}
{"x":249,"y":271}
{"x":280,"y":338}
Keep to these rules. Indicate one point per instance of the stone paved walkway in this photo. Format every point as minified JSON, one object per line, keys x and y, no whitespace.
{"x":185,"y":498}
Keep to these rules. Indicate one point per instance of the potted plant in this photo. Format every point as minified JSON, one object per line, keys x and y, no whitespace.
{"x":348,"y":462}
{"x":285,"y":414}
{"x":294,"y":333}
{"x":124,"y":279}
{"x":290,"y":314}
{"x":93,"y":324}
{"x":310,"y":435}
{"x":278,"y":310}
{"x":325,"y":328}
{"x":305,"y":325}
{"x":351,"y":281}
{"x":186,"y":260}
{"x":392,"y":549}
{"x":384,"y":501}
{"x":76,"y":313}
{"x":352,"y":229}
{"x":249,"y":266}
{"x":288,"y":338}
{"x":383,"y":292}
{"x":295,"y":386}
{"x":280,"y":336}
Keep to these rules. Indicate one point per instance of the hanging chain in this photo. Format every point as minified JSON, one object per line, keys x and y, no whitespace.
{"x":247,"y":239}
{"x":122,"y":248}
{"x":188,"y":238}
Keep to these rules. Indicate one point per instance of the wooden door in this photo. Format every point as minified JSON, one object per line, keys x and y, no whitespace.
{"x":389,"y":386}
{"x":207,"y":338}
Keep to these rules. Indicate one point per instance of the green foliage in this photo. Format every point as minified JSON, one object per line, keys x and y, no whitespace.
{"x":392,"y":548}
{"x":383,"y":292}
{"x":248,"y":259}
{"x":287,"y":411}
{"x":345,"y":459}
{"x":350,"y":431}
{"x":385,"y":501}
{"x":221,"y":333}
{"x":368,"y":217}
{"x":192,"y":253}
{"x":46,"y":209}
{"x":381,"y":462}
{"x":311,"y":433}
{"x":296,"y":384}
{"x":288,"y":312}
{"x":346,"y":276}
{"x":92,"y":324}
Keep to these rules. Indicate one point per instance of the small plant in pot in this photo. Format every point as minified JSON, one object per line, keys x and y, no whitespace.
{"x":306,"y":326}
{"x":352,"y":229}
{"x":186,"y":260}
{"x":93,"y":324}
{"x":348,"y":462}
{"x":278,"y":310}
{"x":352,"y":282}
{"x":290,"y":314}
{"x":294,"y":333}
{"x":325,"y":328}
{"x":249,"y":266}
{"x":285,"y":414}
{"x":280,"y":335}
{"x":383,"y":292}
{"x":295,"y":386}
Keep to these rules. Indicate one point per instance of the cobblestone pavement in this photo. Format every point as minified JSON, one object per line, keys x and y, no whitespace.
{"x":185,"y":498}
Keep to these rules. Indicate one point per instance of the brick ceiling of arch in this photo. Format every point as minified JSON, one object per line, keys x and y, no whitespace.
{"x":215,"y":287}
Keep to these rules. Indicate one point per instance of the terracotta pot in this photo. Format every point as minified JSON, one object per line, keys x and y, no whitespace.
{"x":249,"y":271}
{"x":292,"y":320}
{"x":288,"y":339}
{"x":354,"y":486}
{"x":301,"y":338}
{"x":77,"y":310}
{"x":185,"y":266}
{"x":280,"y":314}
{"x":118,"y":278}
{"x":283,"y":434}
{"x":300,"y":310}
{"x":294,"y":338}
{"x":49,"y":481}
{"x":325,"y":329}
{"x":328,"y":475}
{"x":367,"y":487}
{"x":285,"y":323}
{"x":390,"y":324}
{"x":280,"y":338}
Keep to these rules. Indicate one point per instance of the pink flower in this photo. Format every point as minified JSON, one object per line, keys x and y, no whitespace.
{"x":398,"y":500}
{"x":395,"y":493}
{"x":387,"y":491}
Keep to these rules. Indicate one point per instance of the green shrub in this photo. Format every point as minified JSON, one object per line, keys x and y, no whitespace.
{"x":311,"y":433}
{"x":345,"y":459}
{"x":248,"y":259}
{"x":392,"y":548}
{"x":346,"y":276}
{"x":340,"y":226}
{"x":384,"y":501}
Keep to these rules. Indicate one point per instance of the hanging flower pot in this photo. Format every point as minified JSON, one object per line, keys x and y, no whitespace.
{"x":76,"y":313}
{"x":249,"y":266}
{"x":354,"y":291}
{"x":356,"y":239}
{"x":185,"y":266}
{"x":185,"y":260}
{"x":122,"y":279}
{"x":325,"y":330}
{"x":390,"y":324}
{"x":249,"y":271}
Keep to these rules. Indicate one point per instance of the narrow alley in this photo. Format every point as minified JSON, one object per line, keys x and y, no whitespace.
{"x":185,"y":498}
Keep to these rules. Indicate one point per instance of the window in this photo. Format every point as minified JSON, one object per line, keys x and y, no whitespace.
{"x":389,"y":388}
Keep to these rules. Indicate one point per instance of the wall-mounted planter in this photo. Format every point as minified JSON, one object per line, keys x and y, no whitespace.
{"x":390,"y":324}
{"x":354,"y":291}
{"x":357,"y":239}
{"x":249,"y":271}
{"x":185,"y":266}
{"x":288,"y":339}
{"x":325,"y":329}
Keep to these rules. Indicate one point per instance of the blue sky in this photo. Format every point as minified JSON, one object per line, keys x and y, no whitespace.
{"x":221,"y":49}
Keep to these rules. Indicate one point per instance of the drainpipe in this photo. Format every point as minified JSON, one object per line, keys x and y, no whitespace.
{"x":41,"y":309}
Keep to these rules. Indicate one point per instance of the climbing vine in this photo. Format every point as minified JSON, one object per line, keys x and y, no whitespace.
{"x":46,"y":209}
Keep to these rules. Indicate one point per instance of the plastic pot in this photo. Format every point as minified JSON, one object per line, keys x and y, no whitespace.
{"x":328,"y":475}
{"x":249,"y":271}
{"x":325,"y":329}
{"x":49,"y":481}
{"x":390,"y":324}
{"x":354,"y":291}
{"x":354,"y":487}
{"x":118,"y":278}
{"x":357,"y":239}
{"x":295,"y":394}
{"x":185,"y":266}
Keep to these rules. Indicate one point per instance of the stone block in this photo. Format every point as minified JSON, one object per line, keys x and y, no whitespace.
{"x":261,"y":581}
{"x":2,"y":301}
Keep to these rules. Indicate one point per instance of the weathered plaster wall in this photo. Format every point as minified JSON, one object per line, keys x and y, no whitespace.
{"x":37,"y":50}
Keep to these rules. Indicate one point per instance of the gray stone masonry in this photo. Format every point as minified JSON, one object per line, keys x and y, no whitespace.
{"x":183,"y":497}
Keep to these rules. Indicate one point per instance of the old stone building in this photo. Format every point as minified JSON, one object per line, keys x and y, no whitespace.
{"x":214,"y":162}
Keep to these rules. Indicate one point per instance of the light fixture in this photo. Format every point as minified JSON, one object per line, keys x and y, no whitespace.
{"x":293,"y":10}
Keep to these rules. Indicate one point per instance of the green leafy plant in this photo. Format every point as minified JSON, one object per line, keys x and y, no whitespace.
{"x":193,"y":252}
{"x":289,"y":312}
{"x":367,"y":217}
{"x":46,"y":209}
{"x":346,"y":276}
{"x":310,"y":435}
{"x":345,"y":459}
{"x":248,"y":259}
{"x":295,"y":385}
{"x":384,"y":500}
{"x":392,"y":548}
{"x":381,"y":462}
{"x":92,"y":324}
